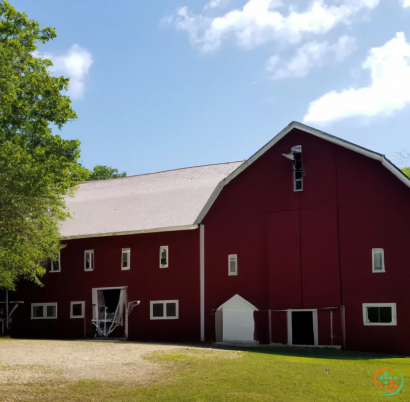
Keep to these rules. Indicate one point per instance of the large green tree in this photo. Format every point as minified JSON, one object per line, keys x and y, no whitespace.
{"x":37,"y":169}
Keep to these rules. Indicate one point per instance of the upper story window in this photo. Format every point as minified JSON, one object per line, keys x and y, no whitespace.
{"x":56,"y":264}
{"x":378,"y":260}
{"x":126,"y":259}
{"x":163,"y":257}
{"x":43,"y":311}
{"x":232,"y":264}
{"x":297,"y":168}
{"x":379,"y":314}
{"x":89,"y":260}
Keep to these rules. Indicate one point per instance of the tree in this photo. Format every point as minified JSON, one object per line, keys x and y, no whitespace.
{"x":37,"y":169}
{"x":101,"y":172}
{"x":406,"y":171}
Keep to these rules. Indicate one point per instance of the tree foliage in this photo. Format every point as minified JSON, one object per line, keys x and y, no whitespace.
{"x":37,"y":169}
{"x":101,"y":172}
{"x":406,"y":171}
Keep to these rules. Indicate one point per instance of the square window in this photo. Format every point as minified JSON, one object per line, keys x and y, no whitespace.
{"x":51,"y":311}
{"x":158,"y":310}
{"x":77,"y":309}
{"x":171,"y":309}
{"x":38,"y":311}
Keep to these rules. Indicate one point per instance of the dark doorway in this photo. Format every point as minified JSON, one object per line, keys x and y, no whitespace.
{"x":302,"y":328}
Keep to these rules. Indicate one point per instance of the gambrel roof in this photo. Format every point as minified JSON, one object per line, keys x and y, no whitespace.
{"x":171,"y":200}
{"x":164,"y":201}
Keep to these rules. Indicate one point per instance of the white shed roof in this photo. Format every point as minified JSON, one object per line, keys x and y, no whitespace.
{"x":170,"y":200}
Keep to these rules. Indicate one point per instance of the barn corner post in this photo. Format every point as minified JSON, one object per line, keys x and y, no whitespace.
{"x":202,"y":280}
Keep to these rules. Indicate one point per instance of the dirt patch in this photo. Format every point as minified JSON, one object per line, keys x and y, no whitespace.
{"x":27,"y":361}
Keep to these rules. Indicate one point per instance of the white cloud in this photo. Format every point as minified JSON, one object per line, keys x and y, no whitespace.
{"x":312,"y":54}
{"x":389,"y":90}
{"x":214,"y":4}
{"x":406,"y":3}
{"x":259,"y":22}
{"x":75,"y":64}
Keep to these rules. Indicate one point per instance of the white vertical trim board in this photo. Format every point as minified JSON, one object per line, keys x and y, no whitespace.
{"x":82,"y":309}
{"x":315,"y":326}
{"x":202,"y":279}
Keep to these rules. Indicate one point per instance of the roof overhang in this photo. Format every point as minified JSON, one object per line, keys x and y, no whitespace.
{"x":154,"y":230}
{"x":310,"y":130}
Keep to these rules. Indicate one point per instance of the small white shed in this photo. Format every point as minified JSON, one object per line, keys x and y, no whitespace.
{"x":234,"y":321}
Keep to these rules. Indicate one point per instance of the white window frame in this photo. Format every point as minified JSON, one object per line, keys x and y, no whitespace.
{"x":128,"y":252}
{"x":82,"y":309}
{"x":235,"y":258}
{"x":44,"y":305}
{"x":164,"y":302}
{"x":59,"y":264}
{"x":85,"y":259}
{"x":374,"y":251}
{"x":160,"y":251}
{"x":393,"y":314}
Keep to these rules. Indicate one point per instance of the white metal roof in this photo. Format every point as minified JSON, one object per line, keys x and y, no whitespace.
{"x":170,"y":200}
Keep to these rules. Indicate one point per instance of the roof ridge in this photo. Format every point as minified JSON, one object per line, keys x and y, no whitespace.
{"x":163,"y":171}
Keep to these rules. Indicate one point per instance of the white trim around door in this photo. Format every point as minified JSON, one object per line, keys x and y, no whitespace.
{"x":315,"y":327}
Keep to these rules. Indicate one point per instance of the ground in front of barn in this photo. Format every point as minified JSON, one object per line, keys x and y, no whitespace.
{"x":42,"y":370}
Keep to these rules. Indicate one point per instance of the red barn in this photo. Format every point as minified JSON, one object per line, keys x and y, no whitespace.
{"x":302,"y":244}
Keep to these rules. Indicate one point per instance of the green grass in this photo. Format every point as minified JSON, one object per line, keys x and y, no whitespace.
{"x":271,"y":374}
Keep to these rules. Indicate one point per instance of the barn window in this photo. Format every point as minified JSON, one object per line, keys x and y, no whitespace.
{"x":77,"y":309}
{"x":232,"y":264}
{"x":378,"y":260}
{"x":89,"y":260}
{"x":297,"y":168}
{"x":163,"y":257}
{"x":126,"y":259}
{"x":56,"y":264}
{"x":164,"y":310}
{"x":379,"y":314}
{"x":43,"y":311}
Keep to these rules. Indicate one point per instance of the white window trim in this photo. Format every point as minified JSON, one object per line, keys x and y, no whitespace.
{"x":82,"y":309}
{"x":160,"y":250}
{"x":128,"y":251}
{"x":59,"y":264}
{"x":235,"y":256}
{"x":164,"y":302}
{"x":374,"y":251}
{"x":93,"y":260}
{"x":44,"y":308}
{"x":393,"y":314}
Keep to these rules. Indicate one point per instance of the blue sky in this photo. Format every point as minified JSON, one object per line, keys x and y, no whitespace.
{"x":159,"y":85}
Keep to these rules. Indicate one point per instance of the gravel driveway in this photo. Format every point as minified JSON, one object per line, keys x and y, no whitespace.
{"x":25,"y":361}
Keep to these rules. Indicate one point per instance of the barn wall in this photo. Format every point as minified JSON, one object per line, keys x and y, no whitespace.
{"x":145,"y":281}
{"x":312,"y":249}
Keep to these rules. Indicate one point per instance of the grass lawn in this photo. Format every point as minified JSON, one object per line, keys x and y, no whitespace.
{"x":271,"y":374}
